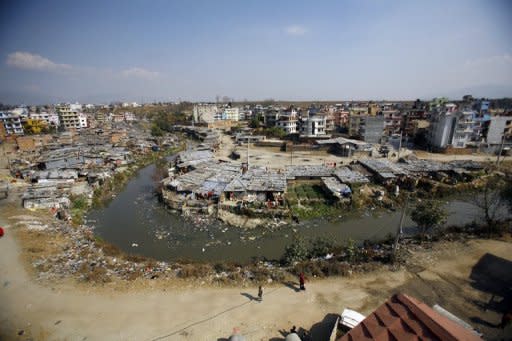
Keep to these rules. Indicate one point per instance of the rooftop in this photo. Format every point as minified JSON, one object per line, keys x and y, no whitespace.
{"x":405,"y":318}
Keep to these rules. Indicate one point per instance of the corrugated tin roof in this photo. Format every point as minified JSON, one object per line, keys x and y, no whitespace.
{"x":317,"y":171}
{"x":350,"y":176}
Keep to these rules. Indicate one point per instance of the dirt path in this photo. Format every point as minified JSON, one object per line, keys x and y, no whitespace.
{"x":67,"y":312}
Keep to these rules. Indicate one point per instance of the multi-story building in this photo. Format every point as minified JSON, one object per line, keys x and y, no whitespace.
{"x":410,"y":119}
{"x":288,"y":122}
{"x":392,"y":122}
{"x":464,"y":129}
{"x":441,"y":129}
{"x":69,"y":115}
{"x":11,"y":122}
{"x":313,"y":126}
{"x":83,"y":121}
{"x":270,"y":117}
{"x":366,"y":127}
{"x":51,"y":118}
{"x":231,"y":114}
{"x":205,"y":113}
{"x":341,"y":118}
{"x":452,"y":128}
{"x":499,"y":127}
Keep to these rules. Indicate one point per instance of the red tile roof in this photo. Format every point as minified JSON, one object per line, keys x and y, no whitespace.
{"x":403,"y":318}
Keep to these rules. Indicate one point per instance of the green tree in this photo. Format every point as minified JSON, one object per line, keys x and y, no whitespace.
{"x":275,"y":132}
{"x":256,"y":121}
{"x":428,"y":214}
{"x":297,"y":251}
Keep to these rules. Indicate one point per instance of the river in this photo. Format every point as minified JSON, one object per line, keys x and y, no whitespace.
{"x":137,"y":222}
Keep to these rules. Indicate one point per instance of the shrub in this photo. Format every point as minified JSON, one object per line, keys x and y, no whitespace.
{"x":321,"y":246}
{"x":296,"y":251}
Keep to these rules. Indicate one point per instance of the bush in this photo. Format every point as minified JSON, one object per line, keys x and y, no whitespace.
{"x":321,"y":246}
{"x":295,"y":252}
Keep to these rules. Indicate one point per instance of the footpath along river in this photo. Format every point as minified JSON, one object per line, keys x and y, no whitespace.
{"x":138,"y":223}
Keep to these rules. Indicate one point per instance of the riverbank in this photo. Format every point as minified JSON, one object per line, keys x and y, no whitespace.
{"x":441,"y":273}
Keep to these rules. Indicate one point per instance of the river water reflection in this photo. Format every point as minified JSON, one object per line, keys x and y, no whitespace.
{"x":138,"y":223}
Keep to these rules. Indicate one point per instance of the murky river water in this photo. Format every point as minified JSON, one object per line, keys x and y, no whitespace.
{"x":138,"y":223}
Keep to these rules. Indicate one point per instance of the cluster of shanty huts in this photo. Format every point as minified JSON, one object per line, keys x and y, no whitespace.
{"x":62,"y":169}
{"x":202,"y":182}
{"x":409,"y":172}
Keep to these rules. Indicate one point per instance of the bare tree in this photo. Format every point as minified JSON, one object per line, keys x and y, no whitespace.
{"x":490,"y":200}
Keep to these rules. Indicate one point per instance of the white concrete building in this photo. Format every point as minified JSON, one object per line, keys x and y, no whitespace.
{"x":205,"y":113}
{"x":83,"y":120}
{"x":12,"y":122}
{"x":51,"y":118}
{"x":288,"y":122}
{"x":313,"y":126}
{"x":464,"y":126}
{"x":129,"y":117}
{"x":498,"y":127}
{"x":232,"y":114}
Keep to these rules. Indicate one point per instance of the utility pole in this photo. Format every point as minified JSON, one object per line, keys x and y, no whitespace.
{"x":399,"y":232}
{"x":248,"y":142}
{"x":500,"y":151}
{"x":399,"y":147}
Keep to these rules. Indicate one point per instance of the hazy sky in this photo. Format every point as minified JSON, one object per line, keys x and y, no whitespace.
{"x":142,"y":50}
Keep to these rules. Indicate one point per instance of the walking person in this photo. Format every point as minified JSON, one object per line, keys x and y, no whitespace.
{"x":302,"y":279}
{"x":260,"y":293}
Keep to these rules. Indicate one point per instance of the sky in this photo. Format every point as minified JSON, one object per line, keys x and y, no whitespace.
{"x":146,"y":50}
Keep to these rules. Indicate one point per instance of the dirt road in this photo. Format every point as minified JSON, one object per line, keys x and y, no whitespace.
{"x":65,"y":311}
{"x":273,"y":157}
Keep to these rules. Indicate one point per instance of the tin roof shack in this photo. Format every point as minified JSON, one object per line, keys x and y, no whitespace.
{"x":349,"y":176}
{"x":346,"y":147}
{"x":307,"y":172}
{"x":54,"y":176}
{"x":120,"y":156}
{"x":46,"y":196}
{"x":69,"y":161}
{"x":257,"y":184}
{"x":464,"y":170}
{"x":337,"y":189}
{"x":384,"y":171}
{"x":188,"y":160}
{"x":205,"y":183}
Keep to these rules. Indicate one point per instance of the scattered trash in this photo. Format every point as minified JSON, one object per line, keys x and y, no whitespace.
{"x":135,"y":245}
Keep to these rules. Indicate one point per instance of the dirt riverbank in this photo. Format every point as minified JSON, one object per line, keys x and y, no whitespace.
{"x":467,"y":278}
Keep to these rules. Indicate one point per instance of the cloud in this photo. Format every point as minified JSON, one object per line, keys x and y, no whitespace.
{"x":137,"y":72}
{"x":29,"y":61}
{"x":296,"y":30}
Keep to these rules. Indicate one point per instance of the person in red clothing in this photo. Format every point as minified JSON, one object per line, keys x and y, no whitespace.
{"x":1,"y":232}
{"x":302,"y":279}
